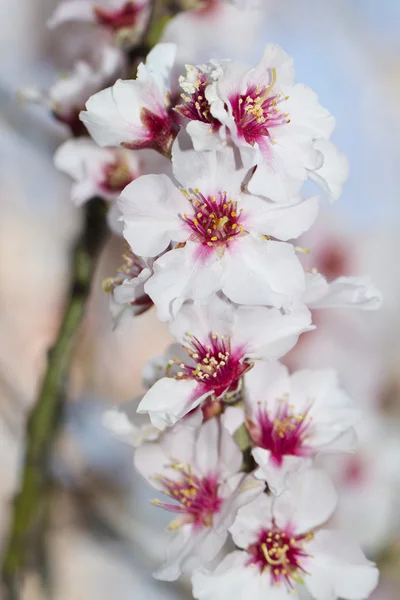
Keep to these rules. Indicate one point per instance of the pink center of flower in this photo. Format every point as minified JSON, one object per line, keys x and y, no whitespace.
{"x":280,"y":553}
{"x":282,"y":433}
{"x":196,"y":498}
{"x":196,"y":106}
{"x":215,"y":220}
{"x":116,"y":176}
{"x":126,"y":16}
{"x":257,"y":112}
{"x":217,"y":368}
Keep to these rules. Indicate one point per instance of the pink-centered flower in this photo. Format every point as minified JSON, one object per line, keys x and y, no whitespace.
{"x":279,"y":126}
{"x":226,"y":239}
{"x":198,"y":469}
{"x":219,"y":342}
{"x":112,"y":14}
{"x":136,"y":113}
{"x":292,"y":419}
{"x":103,"y":172}
{"x":284,"y":550}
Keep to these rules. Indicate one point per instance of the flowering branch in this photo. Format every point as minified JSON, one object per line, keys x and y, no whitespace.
{"x":43,"y":420}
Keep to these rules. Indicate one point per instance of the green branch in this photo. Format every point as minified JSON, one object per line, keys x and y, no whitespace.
{"x":43,"y":421}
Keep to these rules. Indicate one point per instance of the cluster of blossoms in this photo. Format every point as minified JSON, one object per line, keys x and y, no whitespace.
{"x":203,"y":169}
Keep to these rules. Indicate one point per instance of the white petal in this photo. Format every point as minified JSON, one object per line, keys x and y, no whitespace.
{"x":307,"y":116}
{"x":275,"y":475}
{"x":207,"y":447}
{"x":210,"y":172}
{"x":283,"y":222}
{"x":262,"y":272}
{"x":74,"y":10}
{"x":232,"y":418}
{"x":273,"y":58}
{"x":203,"y":137}
{"x":266,"y":382}
{"x":103,"y":120}
{"x":229,"y":581}
{"x":308,"y":501}
{"x":215,"y":315}
{"x":230,"y":456}
{"x":333,"y":173}
{"x":131,"y":289}
{"x":339,"y":568}
{"x":170,"y":399}
{"x":266,"y":333}
{"x":152,"y":207}
{"x":343,"y":292}
{"x":159,"y":63}
{"x":251,"y":519}
{"x":188,"y":550}
{"x":182,"y":274}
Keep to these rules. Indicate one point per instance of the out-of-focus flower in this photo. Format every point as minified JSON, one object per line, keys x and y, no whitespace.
{"x":136,"y":113}
{"x":219,"y":230}
{"x":198,"y":469}
{"x":275,"y":123}
{"x":128,"y":16}
{"x":284,"y":550}
{"x":291,"y":419}
{"x":67,"y":97}
{"x":221,"y":342}
{"x":369,"y":485}
{"x":103,"y":172}
{"x":127,"y":287}
{"x":124,"y":429}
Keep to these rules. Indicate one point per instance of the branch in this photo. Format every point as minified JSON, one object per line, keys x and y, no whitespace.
{"x":43,"y":421}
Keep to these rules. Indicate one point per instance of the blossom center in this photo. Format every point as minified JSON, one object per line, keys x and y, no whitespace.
{"x":196,"y":106}
{"x":282,"y":554}
{"x":196,"y":498}
{"x":214,"y":365}
{"x":257,"y":112}
{"x":282,"y":433}
{"x":117,"y":175}
{"x":215,"y":220}
{"x":116,"y":19}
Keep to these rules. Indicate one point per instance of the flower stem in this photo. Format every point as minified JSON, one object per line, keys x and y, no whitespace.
{"x":42,"y":423}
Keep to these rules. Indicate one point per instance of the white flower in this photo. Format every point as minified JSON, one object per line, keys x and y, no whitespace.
{"x":198,"y":469}
{"x":136,"y":113}
{"x":113,"y":14}
{"x":357,"y":292}
{"x":126,"y":289}
{"x":103,"y":172}
{"x":291,"y":419}
{"x":279,"y":126}
{"x":221,"y":341}
{"x":67,"y":97}
{"x":222,"y":235}
{"x":283,"y":550}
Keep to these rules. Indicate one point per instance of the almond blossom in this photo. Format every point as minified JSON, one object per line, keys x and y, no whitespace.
{"x":126,"y":288}
{"x":67,"y":97}
{"x":279,"y":125}
{"x":136,"y":113}
{"x":221,"y":341}
{"x":223,"y":234}
{"x":291,"y":419}
{"x":103,"y":172}
{"x":112,"y":14}
{"x":199,"y":471}
{"x":283,"y":550}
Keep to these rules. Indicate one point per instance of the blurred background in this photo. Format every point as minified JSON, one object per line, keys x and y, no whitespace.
{"x":104,"y":537}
